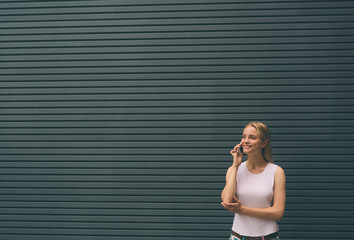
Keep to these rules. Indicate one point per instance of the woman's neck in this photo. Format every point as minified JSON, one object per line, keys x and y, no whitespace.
{"x":256,"y":161}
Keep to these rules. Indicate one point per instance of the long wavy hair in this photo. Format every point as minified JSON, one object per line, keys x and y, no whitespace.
{"x":264,"y":134}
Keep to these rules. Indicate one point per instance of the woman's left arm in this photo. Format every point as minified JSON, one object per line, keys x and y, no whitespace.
{"x":274,"y":212}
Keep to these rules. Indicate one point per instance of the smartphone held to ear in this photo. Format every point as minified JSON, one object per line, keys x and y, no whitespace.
{"x":241,"y":149}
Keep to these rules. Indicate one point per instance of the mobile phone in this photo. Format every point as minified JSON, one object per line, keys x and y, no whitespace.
{"x":241,"y":149}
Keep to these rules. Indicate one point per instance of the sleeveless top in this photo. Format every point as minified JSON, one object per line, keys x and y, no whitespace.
{"x":255,"y":190}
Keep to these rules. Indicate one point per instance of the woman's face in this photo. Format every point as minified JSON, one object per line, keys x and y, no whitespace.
{"x":251,"y":141}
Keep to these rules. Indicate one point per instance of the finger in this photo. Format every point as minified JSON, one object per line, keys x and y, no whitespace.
{"x":233,"y":205}
{"x":236,"y":200}
{"x":225,"y":206}
{"x":237,"y":147}
{"x":229,"y":206}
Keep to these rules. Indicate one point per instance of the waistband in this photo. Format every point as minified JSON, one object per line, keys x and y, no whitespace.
{"x":267,"y":237}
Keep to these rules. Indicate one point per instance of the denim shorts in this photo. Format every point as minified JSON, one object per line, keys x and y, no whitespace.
{"x":233,"y":237}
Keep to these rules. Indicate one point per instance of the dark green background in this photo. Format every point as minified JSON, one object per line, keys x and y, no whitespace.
{"x":117,"y":117}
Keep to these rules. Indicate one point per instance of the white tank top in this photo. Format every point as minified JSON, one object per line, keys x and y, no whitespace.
{"x":255,"y":190}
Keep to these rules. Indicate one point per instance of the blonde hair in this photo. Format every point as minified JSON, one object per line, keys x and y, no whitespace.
{"x":264,"y":134}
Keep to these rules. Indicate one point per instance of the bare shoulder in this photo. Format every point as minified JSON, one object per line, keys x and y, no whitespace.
{"x":279,"y":176}
{"x":279,"y":171}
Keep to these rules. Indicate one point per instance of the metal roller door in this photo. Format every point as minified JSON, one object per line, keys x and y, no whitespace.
{"x":116,"y":117}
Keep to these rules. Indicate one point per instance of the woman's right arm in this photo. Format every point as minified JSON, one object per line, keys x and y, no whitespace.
{"x":229,"y":190}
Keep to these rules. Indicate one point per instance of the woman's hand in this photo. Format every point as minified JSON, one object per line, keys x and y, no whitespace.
{"x":237,"y":155}
{"x":235,"y":207}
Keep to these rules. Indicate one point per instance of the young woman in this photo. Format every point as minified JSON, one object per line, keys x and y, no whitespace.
{"x":254,"y":189}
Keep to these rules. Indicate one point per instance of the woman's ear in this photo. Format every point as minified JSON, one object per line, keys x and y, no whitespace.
{"x":264,"y":143}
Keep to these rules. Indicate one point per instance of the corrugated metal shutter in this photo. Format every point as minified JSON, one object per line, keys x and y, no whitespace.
{"x":117,"y":116}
